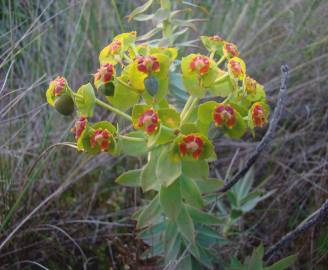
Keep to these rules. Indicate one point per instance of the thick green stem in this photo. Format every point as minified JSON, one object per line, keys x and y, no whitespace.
{"x":132,"y":139}
{"x":186,"y":107}
{"x":220,"y":60}
{"x":108,"y":107}
{"x":190,"y":109}
{"x":112,"y":109}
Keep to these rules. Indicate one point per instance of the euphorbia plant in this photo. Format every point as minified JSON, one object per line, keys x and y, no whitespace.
{"x":134,"y":80}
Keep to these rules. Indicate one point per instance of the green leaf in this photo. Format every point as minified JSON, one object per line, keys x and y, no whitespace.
{"x":282,"y":264}
{"x":172,"y":241}
{"x":255,"y":262}
{"x":209,"y":185}
{"x":162,"y":136}
{"x":130,"y":178}
{"x":202,"y":217}
{"x":148,"y":177}
{"x":86,"y":100}
{"x":205,"y":116}
{"x":169,"y":117}
{"x":223,"y":87}
{"x":150,"y":214}
{"x":206,"y":236}
{"x":197,"y":169}
{"x":168,"y":169}
{"x":140,"y":10}
{"x":190,"y":192}
{"x":170,"y":200}
{"x":124,"y":97}
{"x":134,"y":148}
{"x":186,"y":225}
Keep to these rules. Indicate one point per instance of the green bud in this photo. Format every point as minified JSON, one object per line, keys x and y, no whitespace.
{"x":151,"y":85}
{"x":107,"y":89}
{"x":64,"y":104}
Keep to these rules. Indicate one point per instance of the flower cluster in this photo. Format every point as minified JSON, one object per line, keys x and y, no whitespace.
{"x":137,"y":76}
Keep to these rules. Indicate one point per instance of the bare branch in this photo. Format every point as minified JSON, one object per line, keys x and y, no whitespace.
{"x":314,"y":219}
{"x":268,"y":135}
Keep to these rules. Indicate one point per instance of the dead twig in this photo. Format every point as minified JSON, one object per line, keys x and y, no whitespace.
{"x":314,"y":219}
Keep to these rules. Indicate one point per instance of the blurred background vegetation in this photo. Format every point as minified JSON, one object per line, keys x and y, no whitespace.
{"x":78,"y":216}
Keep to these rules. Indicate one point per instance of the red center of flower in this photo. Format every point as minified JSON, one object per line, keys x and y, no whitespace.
{"x":231,"y":49}
{"x":200,"y":63}
{"x":149,"y":121}
{"x":59,"y":85}
{"x":258,"y":115}
{"x":115,"y":46}
{"x":79,"y":126}
{"x":191,"y":145}
{"x":235,"y":68}
{"x":250,"y":85}
{"x":105,"y":72}
{"x":224,"y":114}
{"x":100,"y":138}
{"x":147,"y":64}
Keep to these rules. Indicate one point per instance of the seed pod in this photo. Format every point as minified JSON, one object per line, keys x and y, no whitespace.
{"x":64,"y":104}
{"x":151,"y":85}
{"x":107,"y":89}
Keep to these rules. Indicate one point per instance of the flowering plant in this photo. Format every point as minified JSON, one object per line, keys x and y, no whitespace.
{"x":135,"y":82}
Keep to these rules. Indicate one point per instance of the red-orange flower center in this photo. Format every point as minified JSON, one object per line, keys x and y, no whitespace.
{"x":147,"y":64}
{"x":79,"y":126}
{"x":200,"y":63}
{"x":105,"y":73}
{"x":236,"y":68}
{"x":258,"y":115}
{"x":191,"y":145}
{"x":101,"y":138}
{"x":231,"y":49}
{"x":59,"y":85}
{"x":224,"y":115}
{"x":149,"y":121}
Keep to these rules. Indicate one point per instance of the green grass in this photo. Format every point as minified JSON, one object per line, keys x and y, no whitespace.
{"x":41,"y":39}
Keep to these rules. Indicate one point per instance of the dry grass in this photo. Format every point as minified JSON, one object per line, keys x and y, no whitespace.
{"x":80,"y":218}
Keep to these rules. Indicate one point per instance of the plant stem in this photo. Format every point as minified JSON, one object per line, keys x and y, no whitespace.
{"x":111,"y":108}
{"x":186,"y":106}
{"x":222,"y":78}
{"x":132,"y":139}
{"x":220,"y":60}
{"x":108,"y":107}
{"x":189,"y":111}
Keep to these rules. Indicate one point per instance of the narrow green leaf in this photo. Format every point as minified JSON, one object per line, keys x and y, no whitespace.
{"x":148,"y":176}
{"x":170,"y":199}
{"x":140,"y":9}
{"x":202,"y":217}
{"x":186,"y":225}
{"x":150,"y":214}
{"x":282,"y":264}
{"x":130,"y":178}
